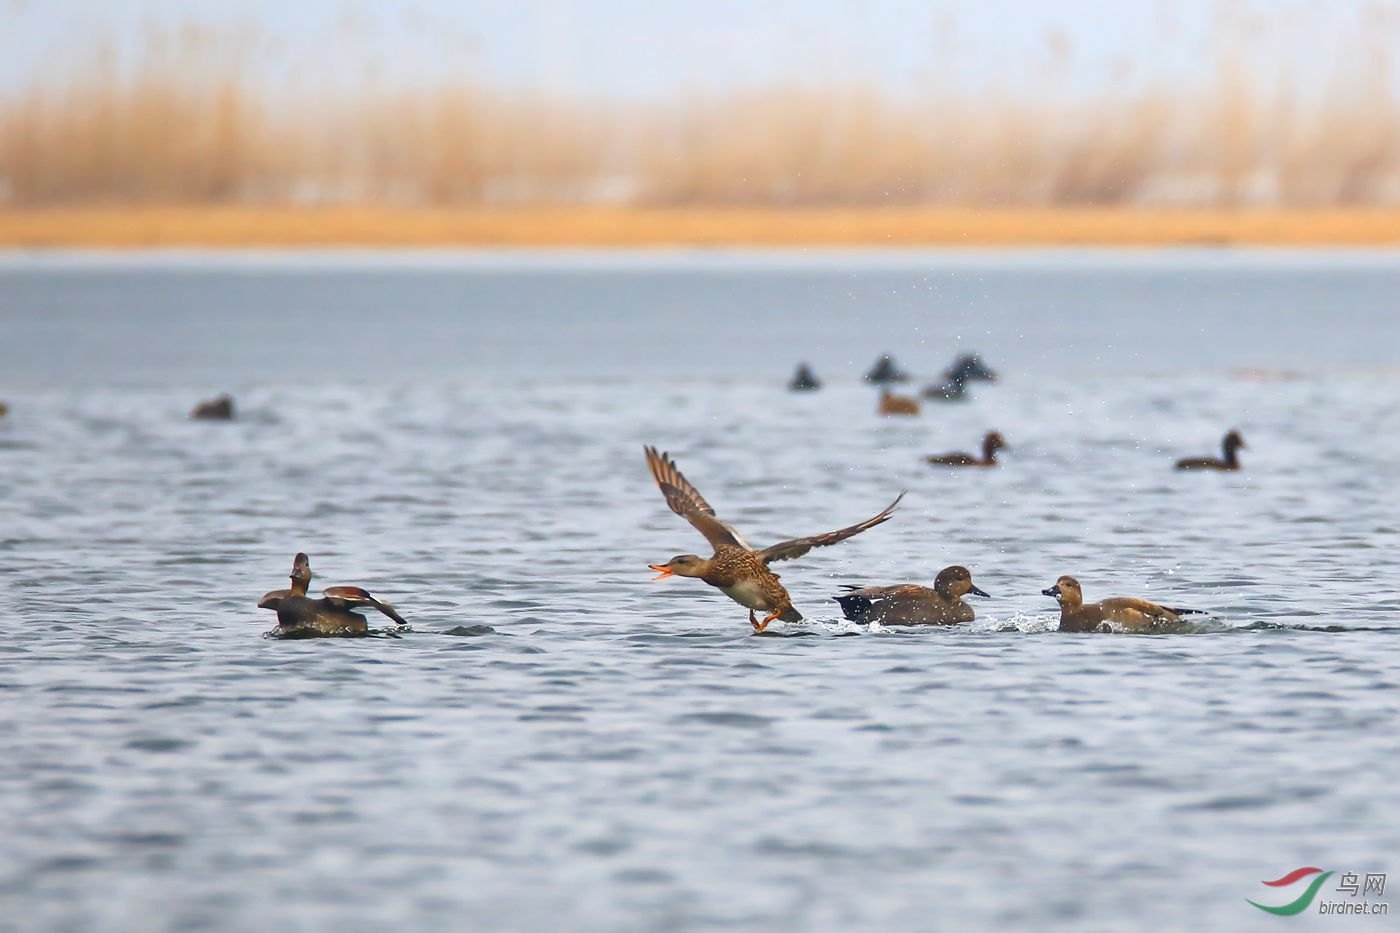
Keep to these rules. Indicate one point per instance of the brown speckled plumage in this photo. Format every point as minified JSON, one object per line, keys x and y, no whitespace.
{"x":738,"y":570}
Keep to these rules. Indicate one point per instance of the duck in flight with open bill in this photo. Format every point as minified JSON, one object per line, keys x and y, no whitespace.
{"x":300,"y":616}
{"x":740,"y":571}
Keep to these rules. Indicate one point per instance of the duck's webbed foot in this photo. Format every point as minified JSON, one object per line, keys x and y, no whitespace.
{"x":753,"y":620}
{"x":760,"y":626}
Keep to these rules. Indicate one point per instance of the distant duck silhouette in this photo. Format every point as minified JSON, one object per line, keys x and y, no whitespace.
{"x":1230,"y":461}
{"x":1130,"y":612}
{"x":4,"y":409}
{"x":954,"y":390}
{"x":970,"y":368}
{"x":215,"y":409}
{"x":965,"y":369}
{"x":804,"y":380}
{"x":990,"y":445}
{"x":300,"y":616}
{"x":885,"y":370}
{"x":891,"y":404}
{"x":910,"y":604}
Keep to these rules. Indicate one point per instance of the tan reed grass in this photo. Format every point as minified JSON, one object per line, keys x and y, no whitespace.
{"x":192,"y":125}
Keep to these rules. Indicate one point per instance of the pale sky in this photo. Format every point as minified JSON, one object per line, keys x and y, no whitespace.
{"x":643,"y":48}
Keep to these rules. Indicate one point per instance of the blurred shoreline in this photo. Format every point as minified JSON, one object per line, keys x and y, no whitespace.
{"x":287,"y":227}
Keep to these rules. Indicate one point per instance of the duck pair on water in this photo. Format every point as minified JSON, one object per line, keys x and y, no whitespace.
{"x":741,"y":573}
{"x":909,"y":604}
{"x":994,"y":442}
{"x":966,"y":368}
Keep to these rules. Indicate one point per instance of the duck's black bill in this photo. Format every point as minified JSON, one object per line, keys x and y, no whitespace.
{"x":976,"y":592}
{"x":1053,"y":591}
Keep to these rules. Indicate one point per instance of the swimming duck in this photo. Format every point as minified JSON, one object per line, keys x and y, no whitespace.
{"x":804,"y":380}
{"x":1128,"y":611}
{"x":4,"y":409}
{"x":911,"y":604}
{"x":990,"y":445}
{"x":885,"y":370}
{"x":1230,"y":461}
{"x":891,"y":404}
{"x":954,"y":390}
{"x":216,"y":409}
{"x":965,"y":369}
{"x":969,"y":368}
{"x":740,"y":571}
{"x":298,"y":615}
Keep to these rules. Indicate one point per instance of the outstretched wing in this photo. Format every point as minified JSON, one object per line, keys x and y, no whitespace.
{"x":350,"y":597}
{"x":274,"y":599}
{"x":787,"y":550}
{"x":685,"y":500}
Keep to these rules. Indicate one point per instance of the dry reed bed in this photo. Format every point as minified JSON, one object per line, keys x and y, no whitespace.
{"x":191,"y":125}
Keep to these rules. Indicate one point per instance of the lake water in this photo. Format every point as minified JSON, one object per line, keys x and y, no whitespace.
{"x":592,"y":750}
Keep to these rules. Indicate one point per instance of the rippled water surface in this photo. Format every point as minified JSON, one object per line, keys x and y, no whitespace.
{"x":562,"y":743}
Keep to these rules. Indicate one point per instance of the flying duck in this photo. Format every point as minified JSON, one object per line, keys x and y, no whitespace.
{"x":740,"y":571}
{"x":1128,"y":611}
{"x":911,"y":604}
{"x":1230,"y":461}
{"x":990,"y":445}
{"x":300,"y":616}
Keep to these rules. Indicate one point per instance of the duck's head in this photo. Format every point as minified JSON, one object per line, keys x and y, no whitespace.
{"x":993,"y":442}
{"x":301,"y":569}
{"x":1233,"y":441}
{"x":954,"y":582}
{"x":686,"y":565}
{"x":1067,"y":591}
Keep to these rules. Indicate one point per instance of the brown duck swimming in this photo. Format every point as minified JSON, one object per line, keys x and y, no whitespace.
{"x":891,"y":404}
{"x":911,"y":604}
{"x":1230,"y":461}
{"x":740,"y":571}
{"x":1128,"y":611}
{"x":990,"y":445}
{"x":300,"y":616}
{"x":215,"y":409}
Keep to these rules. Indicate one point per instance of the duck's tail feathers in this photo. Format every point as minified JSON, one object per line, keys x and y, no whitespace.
{"x":1185,"y":612}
